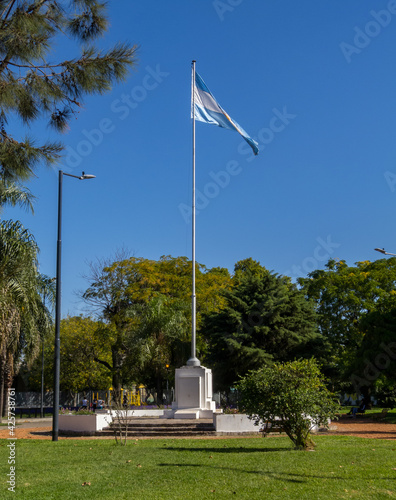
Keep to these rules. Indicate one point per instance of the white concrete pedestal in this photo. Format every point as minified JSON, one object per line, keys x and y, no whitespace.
{"x":193,"y":393}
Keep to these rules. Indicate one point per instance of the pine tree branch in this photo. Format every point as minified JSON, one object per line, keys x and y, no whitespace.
{"x":36,"y":6}
{"x":10,"y":5}
{"x":91,"y":73}
{"x":18,"y":159}
{"x":31,"y":86}
{"x":40,"y":66}
{"x":4,"y":63}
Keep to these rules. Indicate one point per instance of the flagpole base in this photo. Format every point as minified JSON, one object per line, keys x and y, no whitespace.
{"x":193,"y":393}
{"x":193,"y":362}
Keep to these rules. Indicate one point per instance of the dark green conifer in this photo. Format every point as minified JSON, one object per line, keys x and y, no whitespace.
{"x":266,"y":319}
{"x":34,"y":84}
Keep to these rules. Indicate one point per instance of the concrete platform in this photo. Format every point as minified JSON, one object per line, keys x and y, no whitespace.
{"x":159,"y":427}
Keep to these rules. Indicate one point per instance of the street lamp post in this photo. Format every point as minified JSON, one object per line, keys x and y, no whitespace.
{"x":381,"y":250}
{"x":42,"y":380}
{"x":55,"y":419}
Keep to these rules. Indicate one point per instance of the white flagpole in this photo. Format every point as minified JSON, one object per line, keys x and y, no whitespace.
{"x":193,"y":361}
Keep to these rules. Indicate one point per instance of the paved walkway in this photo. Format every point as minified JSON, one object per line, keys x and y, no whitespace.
{"x":40,"y":428}
{"x":25,"y":423}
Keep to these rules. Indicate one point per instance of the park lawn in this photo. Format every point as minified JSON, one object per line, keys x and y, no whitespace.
{"x":247,"y":468}
{"x":390,"y":418}
{"x":374,"y":413}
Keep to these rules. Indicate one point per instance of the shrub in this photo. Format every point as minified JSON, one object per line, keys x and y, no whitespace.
{"x":291,"y":394}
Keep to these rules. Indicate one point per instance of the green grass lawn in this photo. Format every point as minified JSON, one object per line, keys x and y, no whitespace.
{"x":374,"y":413}
{"x":247,"y":468}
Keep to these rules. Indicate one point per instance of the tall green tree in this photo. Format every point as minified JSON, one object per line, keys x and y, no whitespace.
{"x":82,"y":340}
{"x":265,"y":319}
{"x":163,"y":331}
{"x":114,"y":286}
{"x":344,"y":296}
{"x":34,"y":83}
{"x":374,"y":366}
{"x":21,"y":311}
{"x":135,"y":296}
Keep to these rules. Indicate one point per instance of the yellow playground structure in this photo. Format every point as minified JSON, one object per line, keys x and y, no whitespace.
{"x":128,"y":398}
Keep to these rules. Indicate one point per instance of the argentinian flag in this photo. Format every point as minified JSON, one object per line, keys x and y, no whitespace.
{"x":208,"y":110}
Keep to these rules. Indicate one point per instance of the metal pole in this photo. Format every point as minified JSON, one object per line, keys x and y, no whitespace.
{"x":193,"y":361}
{"x":42,"y":377}
{"x":55,"y":420}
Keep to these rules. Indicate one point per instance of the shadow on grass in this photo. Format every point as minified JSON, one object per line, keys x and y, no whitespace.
{"x":41,"y":433}
{"x":280,"y":476}
{"x":291,"y":477}
{"x":229,"y":449}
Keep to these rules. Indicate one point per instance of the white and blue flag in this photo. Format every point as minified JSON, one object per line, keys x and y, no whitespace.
{"x":208,"y":110}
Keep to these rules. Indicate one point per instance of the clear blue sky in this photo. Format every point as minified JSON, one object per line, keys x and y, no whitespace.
{"x":323,"y":185}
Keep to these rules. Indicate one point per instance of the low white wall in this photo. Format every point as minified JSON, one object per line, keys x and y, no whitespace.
{"x":84,"y":423}
{"x":141,"y":413}
{"x":234,"y":423}
{"x":241,"y":423}
{"x":89,"y":424}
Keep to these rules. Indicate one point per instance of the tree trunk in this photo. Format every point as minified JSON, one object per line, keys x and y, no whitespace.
{"x":116,"y":376}
{"x":160,"y":392}
{"x":117,"y":384}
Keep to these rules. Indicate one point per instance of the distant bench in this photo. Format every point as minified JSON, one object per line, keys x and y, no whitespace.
{"x":275,"y":427}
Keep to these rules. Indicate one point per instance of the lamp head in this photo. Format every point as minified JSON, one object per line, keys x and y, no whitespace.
{"x":86,"y":176}
{"x":381,"y":250}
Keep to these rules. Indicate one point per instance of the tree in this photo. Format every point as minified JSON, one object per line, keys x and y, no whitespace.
{"x":32,"y":87}
{"x":81,"y":343}
{"x":13,"y":194}
{"x":162,"y":330}
{"x":374,"y":364}
{"x":291,"y":394}
{"x":127,"y":292}
{"x":344,"y":296}
{"x":21,"y":314}
{"x":265,"y":319}
{"x":114,"y":286}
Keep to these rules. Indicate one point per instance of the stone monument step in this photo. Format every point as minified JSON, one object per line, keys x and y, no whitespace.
{"x":158,"y":433}
{"x":165,"y":427}
{"x":161,"y":428}
{"x":186,"y":414}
